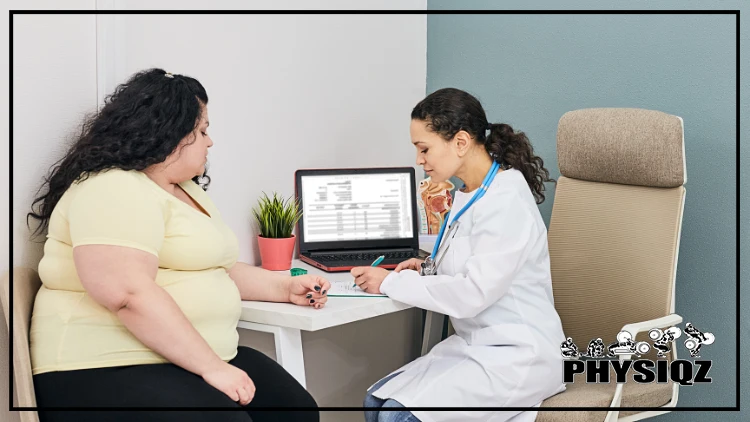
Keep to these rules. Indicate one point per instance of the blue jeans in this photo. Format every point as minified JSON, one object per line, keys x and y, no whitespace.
{"x":383,"y":415}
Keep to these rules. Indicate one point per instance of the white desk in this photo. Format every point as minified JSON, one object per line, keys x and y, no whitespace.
{"x":287,"y":321}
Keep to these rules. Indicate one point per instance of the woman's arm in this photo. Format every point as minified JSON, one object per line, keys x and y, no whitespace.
{"x":255,"y":283}
{"x":122,"y":280}
{"x":502,"y":237}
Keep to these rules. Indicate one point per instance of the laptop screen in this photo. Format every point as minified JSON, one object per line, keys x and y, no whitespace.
{"x":357,"y":208}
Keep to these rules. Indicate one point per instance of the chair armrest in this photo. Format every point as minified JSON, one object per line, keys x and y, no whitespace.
{"x":638,"y":327}
{"x":633,"y":329}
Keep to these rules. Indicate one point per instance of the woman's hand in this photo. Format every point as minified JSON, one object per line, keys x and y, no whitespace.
{"x":369,"y":279}
{"x":232,"y":381}
{"x":411,"y":264}
{"x":308,"y":290}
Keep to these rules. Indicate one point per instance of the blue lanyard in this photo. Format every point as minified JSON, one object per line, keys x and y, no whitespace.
{"x":480,"y":193}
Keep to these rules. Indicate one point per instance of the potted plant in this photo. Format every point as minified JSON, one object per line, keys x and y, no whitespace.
{"x":276,"y":219}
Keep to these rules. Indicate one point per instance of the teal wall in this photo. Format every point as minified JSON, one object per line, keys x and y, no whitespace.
{"x":530,"y":69}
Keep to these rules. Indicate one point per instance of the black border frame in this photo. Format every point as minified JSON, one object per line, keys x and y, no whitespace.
{"x":735,"y":12}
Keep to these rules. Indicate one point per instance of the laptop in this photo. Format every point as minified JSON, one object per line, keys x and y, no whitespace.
{"x":350,"y":217}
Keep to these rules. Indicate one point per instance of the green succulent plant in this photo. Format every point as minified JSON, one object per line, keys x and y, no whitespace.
{"x":276,"y":216}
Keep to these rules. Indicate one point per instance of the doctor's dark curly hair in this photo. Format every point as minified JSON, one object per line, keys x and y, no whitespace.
{"x":449,"y":110}
{"x":142,"y":122}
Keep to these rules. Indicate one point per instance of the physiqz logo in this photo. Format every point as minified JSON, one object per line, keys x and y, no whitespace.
{"x":597,"y":369}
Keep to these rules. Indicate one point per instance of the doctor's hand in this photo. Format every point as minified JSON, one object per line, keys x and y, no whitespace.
{"x":369,"y":279}
{"x":308,"y":290}
{"x":411,"y":264}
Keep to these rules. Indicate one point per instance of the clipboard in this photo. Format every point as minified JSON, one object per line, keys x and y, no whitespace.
{"x":346,"y":288}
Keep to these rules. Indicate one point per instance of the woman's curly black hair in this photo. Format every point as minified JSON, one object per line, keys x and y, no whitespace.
{"x":449,"y":110}
{"x":141,"y":124}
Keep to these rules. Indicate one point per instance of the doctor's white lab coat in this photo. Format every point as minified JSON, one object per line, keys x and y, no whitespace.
{"x":495,"y":285}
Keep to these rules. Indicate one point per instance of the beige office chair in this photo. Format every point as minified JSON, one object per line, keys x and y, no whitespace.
{"x":613,"y":239}
{"x":26,"y":283}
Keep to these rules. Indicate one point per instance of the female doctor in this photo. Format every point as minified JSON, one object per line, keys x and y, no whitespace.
{"x":489,"y":272}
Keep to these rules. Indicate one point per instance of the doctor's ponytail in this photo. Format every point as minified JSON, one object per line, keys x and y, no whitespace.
{"x":513,"y":149}
{"x":449,"y":110}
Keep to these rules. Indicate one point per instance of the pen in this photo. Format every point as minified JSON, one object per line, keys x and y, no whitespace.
{"x":374,"y":264}
{"x":377,"y":261}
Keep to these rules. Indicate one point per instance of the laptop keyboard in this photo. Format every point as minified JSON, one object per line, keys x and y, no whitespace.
{"x":366,"y":258}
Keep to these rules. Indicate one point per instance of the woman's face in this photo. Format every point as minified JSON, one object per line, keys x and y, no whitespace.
{"x":191,"y":155}
{"x":439,"y":158}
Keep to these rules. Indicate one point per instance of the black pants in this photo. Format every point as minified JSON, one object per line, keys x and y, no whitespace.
{"x":168,"y":385}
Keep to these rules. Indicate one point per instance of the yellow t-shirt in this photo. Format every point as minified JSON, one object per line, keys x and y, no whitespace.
{"x":69,"y":330}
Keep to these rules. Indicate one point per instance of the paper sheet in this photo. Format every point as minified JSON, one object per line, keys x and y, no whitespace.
{"x":341,"y":288}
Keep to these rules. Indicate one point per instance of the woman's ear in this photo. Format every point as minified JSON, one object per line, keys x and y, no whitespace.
{"x":462,"y":141}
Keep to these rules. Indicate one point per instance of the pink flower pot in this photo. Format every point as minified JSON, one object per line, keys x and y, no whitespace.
{"x":276,"y":254}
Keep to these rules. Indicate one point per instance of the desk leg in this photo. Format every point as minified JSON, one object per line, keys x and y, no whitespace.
{"x":433,"y":331}
{"x":289,"y":353}
{"x":288,"y":342}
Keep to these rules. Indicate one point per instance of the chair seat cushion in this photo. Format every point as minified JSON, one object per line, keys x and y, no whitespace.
{"x":581,"y":394}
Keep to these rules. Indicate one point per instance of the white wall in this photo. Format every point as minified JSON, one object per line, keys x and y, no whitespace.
{"x":54,"y":85}
{"x":5,"y":378}
{"x":286,"y":92}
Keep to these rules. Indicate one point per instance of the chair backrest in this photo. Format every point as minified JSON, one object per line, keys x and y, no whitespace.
{"x":615,"y":227}
{"x":26,"y":283}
